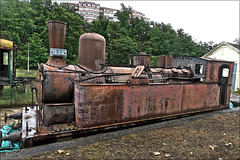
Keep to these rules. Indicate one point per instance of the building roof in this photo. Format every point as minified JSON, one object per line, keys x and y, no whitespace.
{"x":235,"y":47}
{"x":6,"y":44}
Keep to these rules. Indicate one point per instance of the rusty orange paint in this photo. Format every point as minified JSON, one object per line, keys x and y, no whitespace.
{"x":104,"y":104}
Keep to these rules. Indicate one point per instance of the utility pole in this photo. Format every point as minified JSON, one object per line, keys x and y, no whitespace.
{"x":28,"y":58}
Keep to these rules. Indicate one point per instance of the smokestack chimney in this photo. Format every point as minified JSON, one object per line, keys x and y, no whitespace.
{"x":56,"y":31}
{"x":141,"y":59}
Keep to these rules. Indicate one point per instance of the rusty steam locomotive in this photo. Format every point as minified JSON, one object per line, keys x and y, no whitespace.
{"x":75,"y":99}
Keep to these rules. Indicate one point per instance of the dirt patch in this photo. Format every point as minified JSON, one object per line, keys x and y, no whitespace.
{"x":215,"y":137}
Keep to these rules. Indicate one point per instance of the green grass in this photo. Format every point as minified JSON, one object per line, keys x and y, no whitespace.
{"x":236,"y":92}
{"x":25,"y":73}
{"x":21,"y":95}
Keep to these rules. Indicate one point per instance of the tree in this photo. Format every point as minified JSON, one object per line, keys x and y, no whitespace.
{"x":16,"y":21}
{"x":24,"y":21}
{"x":139,"y":33}
{"x":124,"y":16}
{"x":37,"y":53}
{"x":121,"y":48}
{"x":99,"y":26}
{"x":236,"y":40}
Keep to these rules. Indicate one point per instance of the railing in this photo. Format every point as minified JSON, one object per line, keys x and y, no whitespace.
{"x":21,"y":95}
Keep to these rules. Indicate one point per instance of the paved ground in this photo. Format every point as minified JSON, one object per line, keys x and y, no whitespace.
{"x":212,"y":135}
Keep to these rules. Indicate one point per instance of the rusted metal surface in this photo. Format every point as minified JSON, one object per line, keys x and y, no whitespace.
{"x":57,"y":84}
{"x":200,"y":96}
{"x":228,"y":94}
{"x":176,"y":73}
{"x":165,"y":61}
{"x":139,"y":81}
{"x":141,"y":59}
{"x":106,"y":104}
{"x":56,"y":32}
{"x":105,"y":96}
{"x":212,"y":71}
{"x":168,"y":61}
{"x":91,"y":52}
{"x":161,"y":61}
{"x":13,"y":137}
{"x":58,"y":113}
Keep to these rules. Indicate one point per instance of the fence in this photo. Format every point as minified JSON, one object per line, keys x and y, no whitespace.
{"x":21,"y":95}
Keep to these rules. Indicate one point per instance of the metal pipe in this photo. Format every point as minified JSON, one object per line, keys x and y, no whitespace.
{"x":11,"y":70}
{"x":56,"y":32}
{"x":13,"y":137}
{"x":32,"y":96}
{"x":14,"y":116}
{"x":27,"y":129}
{"x":37,"y":118}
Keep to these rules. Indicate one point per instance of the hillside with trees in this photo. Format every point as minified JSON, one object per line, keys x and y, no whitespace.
{"x":26,"y":23}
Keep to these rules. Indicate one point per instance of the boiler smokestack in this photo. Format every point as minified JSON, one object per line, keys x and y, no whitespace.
{"x":56,"y":31}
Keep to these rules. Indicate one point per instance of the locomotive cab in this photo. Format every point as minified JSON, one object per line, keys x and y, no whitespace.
{"x":7,"y":62}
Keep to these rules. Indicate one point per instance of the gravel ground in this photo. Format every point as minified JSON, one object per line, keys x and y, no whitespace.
{"x":213,"y":135}
{"x":235,"y":99}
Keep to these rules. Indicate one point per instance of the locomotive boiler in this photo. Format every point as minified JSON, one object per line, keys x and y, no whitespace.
{"x":76,"y":99}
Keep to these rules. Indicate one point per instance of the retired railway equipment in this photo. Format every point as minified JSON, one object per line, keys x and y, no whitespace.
{"x":7,"y":62}
{"x":76,"y":99}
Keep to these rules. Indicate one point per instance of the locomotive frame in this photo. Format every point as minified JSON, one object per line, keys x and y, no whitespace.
{"x":90,"y":96}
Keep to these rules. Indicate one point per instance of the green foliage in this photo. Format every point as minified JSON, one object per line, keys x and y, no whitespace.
{"x":121,"y":49}
{"x":154,"y":61}
{"x":24,"y":22}
{"x":16,"y":20}
{"x":37,"y":52}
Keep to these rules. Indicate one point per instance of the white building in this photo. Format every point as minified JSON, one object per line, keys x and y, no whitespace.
{"x":109,"y":13}
{"x":91,"y":11}
{"x":229,"y":52}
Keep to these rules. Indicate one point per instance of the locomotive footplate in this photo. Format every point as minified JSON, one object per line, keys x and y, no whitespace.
{"x":67,"y":131}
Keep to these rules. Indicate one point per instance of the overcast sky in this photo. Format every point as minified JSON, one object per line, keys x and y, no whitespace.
{"x":206,"y":21}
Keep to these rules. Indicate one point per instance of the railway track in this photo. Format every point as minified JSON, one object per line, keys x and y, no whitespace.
{"x":112,"y":133}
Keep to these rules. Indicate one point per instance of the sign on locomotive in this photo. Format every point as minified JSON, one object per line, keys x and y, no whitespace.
{"x":76,"y":99}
